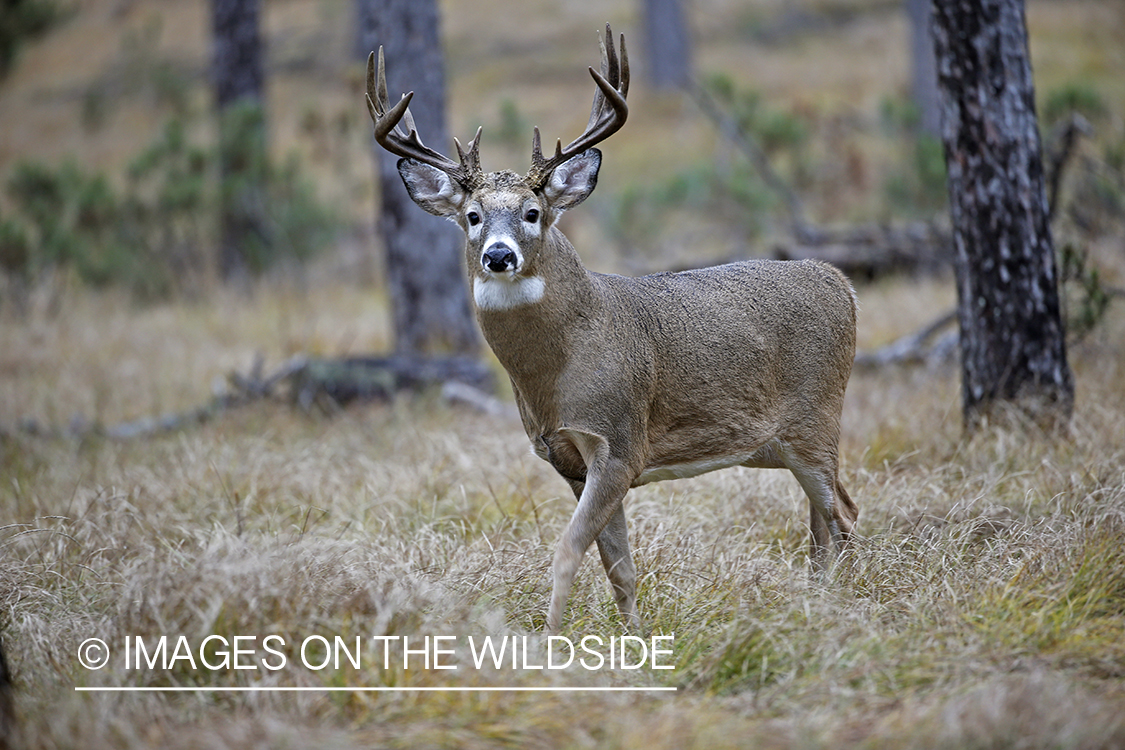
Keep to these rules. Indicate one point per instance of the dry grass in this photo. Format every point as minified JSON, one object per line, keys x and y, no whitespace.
{"x":984,"y":605}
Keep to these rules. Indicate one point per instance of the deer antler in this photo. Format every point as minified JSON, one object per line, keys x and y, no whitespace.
{"x":390,"y":136}
{"x":607,"y":114}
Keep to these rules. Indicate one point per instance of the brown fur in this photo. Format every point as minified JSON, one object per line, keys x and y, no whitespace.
{"x":616,"y":375}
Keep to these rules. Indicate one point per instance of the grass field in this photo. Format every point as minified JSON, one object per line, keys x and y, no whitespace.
{"x":983,"y":606}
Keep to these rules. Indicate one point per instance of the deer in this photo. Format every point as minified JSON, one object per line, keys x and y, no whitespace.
{"x":621,"y":381}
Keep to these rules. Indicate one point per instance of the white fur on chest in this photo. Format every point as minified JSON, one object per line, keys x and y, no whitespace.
{"x":504,"y":294}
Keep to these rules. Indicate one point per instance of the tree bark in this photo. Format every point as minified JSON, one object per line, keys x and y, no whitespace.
{"x":668,"y":43}
{"x":239,"y":79}
{"x":1013,"y":344}
{"x":429,"y":297}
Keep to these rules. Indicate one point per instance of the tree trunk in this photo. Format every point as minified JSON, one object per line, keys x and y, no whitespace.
{"x":1013,"y":347}
{"x":238,"y":74}
{"x":668,"y":43}
{"x":429,"y":298}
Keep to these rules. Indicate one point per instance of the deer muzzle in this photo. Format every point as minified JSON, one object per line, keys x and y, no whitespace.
{"x":499,"y":258}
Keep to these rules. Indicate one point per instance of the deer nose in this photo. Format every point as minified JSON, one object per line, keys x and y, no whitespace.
{"x":498,"y":258}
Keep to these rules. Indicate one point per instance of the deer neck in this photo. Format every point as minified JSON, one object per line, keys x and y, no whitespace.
{"x":534,"y":338}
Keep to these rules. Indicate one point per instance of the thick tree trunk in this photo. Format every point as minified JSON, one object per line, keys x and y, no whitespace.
{"x":239,"y":79}
{"x":429,"y":298}
{"x":1013,"y":345}
{"x":668,"y":44}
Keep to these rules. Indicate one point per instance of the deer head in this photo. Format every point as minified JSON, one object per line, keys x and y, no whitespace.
{"x":506,"y":218}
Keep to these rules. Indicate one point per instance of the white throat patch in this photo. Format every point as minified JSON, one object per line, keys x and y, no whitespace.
{"x":498,"y":293}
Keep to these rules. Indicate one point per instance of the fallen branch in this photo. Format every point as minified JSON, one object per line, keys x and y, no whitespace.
{"x":869,"y":251}
{"x":380,"y":378}
{"x":921,"y":347}
{"x":1060,"y":147}
{"x":306,"y":382}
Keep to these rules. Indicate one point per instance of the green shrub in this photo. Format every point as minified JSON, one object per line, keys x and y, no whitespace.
{"x":640,"y":213}
{"x":920,"y":188}
{"x":14,"y":248}
{"x":21,"y":20}
{"x":773,"y":129}
{"x":1084,"y":298}
{"x":1073,"y":97}
{"x":154,"y":235}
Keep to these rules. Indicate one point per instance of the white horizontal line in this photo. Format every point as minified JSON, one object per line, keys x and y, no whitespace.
{"x":296,"y":689}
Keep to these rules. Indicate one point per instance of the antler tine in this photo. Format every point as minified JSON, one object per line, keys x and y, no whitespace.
{"x":609,"y":71}
{"x":471,"y":158}
{"x":607,"y":114}
{"x":388,"y":134}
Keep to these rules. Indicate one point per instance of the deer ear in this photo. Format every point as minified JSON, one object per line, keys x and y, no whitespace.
{"x":433,"y":190}
{"x":573,"y":180}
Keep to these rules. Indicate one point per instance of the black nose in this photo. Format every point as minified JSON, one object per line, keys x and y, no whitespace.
{"x":498,"y":258}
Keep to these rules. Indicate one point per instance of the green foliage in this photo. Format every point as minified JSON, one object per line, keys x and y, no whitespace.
{"x":301,"y":223}
{"x":1073,"y":97}
{"x":729,"y":192}
{"x":21,"y":20}
{"x":774,"y":130}
{"x":920,"y":188}
{"x":14,"y":248}
{"x":73,"y":222}
{"x":273,"y":208}
{"x":1091,"y":200}
{"x":1084,"y":298}
{"x":641,"y":212}
{"x":154,"y":235}
{"x":898,"y":114}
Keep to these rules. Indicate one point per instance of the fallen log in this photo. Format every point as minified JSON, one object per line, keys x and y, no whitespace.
{"x":921,"y":347}
{"x":379,"y":378}
{"x":867,"y":252}
{"x":306,"y":382}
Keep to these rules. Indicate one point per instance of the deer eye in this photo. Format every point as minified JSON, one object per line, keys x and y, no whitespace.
{"x":473,"y":217}
{"x":532,"y":215}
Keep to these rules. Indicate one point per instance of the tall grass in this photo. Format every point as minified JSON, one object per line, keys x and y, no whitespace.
{"x":983,"y":604}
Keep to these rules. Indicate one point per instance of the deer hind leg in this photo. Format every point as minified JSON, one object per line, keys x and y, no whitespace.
{"x":599,"y":516}
{"x":613,"y":546}
{"x":832,"y":513}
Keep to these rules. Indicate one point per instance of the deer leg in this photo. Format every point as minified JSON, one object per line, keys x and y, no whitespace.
{"x":820,"y":537}
{"x":832,"y":513}
{"x":600,"y":501}
{"x":613,"y":547}
{"x":847,"y":510}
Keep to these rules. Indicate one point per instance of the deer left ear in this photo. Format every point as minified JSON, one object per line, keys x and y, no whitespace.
{"x":573,"y":180}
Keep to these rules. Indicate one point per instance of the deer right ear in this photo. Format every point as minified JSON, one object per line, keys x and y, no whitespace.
{"x":432,"y":189}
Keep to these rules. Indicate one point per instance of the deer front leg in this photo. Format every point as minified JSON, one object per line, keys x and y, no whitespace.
{"x":599,"y":514}
{"x":617,"y":559}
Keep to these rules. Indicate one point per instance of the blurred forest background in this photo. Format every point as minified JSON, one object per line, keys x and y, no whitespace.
{"x":109,"y":150}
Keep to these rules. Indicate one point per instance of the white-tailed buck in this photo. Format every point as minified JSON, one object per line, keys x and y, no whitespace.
{"x":623,"y":381}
